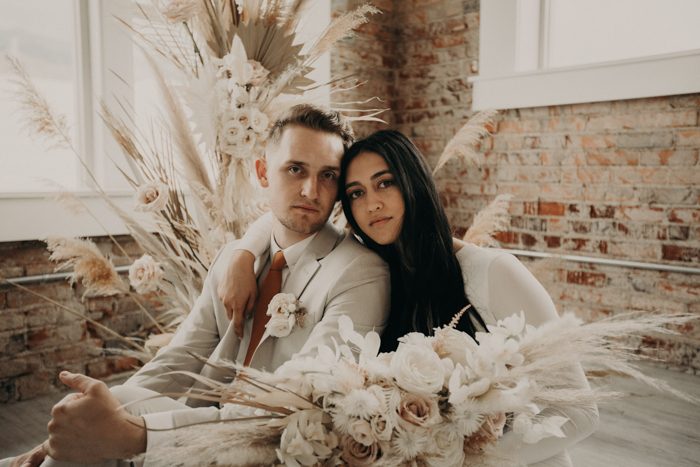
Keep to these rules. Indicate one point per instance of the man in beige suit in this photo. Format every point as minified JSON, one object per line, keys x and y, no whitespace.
{"x":329,"y":273}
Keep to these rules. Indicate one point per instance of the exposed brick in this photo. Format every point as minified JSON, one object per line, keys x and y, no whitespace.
{"x":680,"y":253}
{"x":606,"y":212}
{"x":678,"y":232}
{"x":684,"y":215}
{"x":644,"y":214}
{"x":547,"y":208}
{"x":594,"y":279}
{"x":11,"y":319}
{"x":527,"y":239}
{"x":688,"y":138}
{"x":507,"y":237}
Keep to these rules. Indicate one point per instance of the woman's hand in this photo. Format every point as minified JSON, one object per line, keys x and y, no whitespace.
{"x":32,"y":458}
{"x":239,"y":289}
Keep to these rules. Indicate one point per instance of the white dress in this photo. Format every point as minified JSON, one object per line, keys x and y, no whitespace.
{"x":498,"y":285}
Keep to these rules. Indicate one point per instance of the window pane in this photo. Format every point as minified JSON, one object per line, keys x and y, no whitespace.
{"x":588,"y":31}
{"x":42,"y":35}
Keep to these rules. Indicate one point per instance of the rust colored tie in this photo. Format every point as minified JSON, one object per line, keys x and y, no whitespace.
{"x":270,"y":287}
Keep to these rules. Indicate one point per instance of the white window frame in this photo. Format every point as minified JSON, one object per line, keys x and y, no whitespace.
{"x":510,"y":38}
{"x":35,"y":215}
{"x":104,"y":60}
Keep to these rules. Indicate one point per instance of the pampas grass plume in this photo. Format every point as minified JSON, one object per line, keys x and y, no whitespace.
{"x":90,"y":266}
{"x":491,"y":219}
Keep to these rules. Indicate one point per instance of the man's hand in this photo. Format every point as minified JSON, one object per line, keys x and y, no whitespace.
{"x":88,"y":426}
{"x":238,"y":290}
{"x":32,"y":458}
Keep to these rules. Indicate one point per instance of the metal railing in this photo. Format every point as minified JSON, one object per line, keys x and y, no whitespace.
{"x":526,"y":253}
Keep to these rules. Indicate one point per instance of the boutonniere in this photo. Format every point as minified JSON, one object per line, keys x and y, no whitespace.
{"x":285,"y":312}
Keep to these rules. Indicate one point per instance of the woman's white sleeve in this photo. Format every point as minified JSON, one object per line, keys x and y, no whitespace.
{"x":513,"y":288}
{"x":257,"y":238}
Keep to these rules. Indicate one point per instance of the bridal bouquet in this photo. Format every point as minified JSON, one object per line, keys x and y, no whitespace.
{"x":440,"y":400}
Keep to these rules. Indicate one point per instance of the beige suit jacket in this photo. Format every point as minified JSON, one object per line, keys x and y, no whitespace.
{"x":334,"y":276}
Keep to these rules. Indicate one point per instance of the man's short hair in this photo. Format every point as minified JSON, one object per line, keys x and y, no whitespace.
{"x":314,"y":118}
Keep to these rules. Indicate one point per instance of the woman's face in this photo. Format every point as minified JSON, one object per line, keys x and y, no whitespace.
{"x":375,"y":200}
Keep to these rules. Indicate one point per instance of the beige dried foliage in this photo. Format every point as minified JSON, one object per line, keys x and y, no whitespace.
{"x":90,"y":266}
{"x":493,"y":218}
{"x":38,"y":115}
{"x":463,"y":144}
{"x":340,"y":28}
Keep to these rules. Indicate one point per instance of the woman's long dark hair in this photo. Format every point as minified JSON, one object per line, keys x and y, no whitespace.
{"x":427,"y":288}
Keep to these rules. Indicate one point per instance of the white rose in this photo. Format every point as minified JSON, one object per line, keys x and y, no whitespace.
{"x":151,"y":196}
{"x":453,"y":344}
{"x":233,"y":132}
{"x":361,"y":431}
{"x":284,"y":304}
{"x":145,"y":274}
{"x":417,"y":410}
{"x":280,"y":326}
{"x":243,"y":117}
{"x":305,"y":440}
{"x":417,"y":369}
{"x":382,"y":427}
{"x":358,"y":454}
{"x":258,"y":120}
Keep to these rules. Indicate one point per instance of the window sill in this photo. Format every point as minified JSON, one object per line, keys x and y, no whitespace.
{"x":661,"y":75}
{"x":32,"y":216}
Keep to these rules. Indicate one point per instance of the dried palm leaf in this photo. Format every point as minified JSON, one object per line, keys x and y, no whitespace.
{"x":192,"y":166}
{"x":462,"y":144}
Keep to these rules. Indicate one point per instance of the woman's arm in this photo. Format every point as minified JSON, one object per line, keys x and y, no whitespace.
{"x":239,"y":288}
{"x":513,"y":288}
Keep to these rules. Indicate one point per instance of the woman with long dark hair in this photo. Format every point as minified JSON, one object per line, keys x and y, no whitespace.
{"x":392,"y":205}
{"x":427,"y":288}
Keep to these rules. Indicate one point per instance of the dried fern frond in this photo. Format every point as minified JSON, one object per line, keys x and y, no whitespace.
{"x":462,"y":144}
{"x":493,"y":218}
{"x":89,"y":265}
{"x":39,"y":116}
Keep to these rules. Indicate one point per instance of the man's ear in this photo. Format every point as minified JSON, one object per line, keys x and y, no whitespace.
{"x":261,"y":171}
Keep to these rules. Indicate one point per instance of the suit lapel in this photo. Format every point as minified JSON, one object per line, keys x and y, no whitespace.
{"x":304,"y":270}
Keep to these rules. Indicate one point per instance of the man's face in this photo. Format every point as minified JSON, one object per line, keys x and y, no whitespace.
{"x":300,"y":174}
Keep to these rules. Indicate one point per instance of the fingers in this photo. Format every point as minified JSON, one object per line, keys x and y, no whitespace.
{"x":238,"y":322}
{"x":36,"y":457}
{"x":82,"y":383}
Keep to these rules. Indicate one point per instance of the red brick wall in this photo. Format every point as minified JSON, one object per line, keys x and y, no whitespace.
{"x":38,"y":339}
{"x":615,"y":180}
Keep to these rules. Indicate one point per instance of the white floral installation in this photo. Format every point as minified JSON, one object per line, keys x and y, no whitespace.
{"x":437,"y":400}
{"x":285,"y":312}
{"x":225,"y":69}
